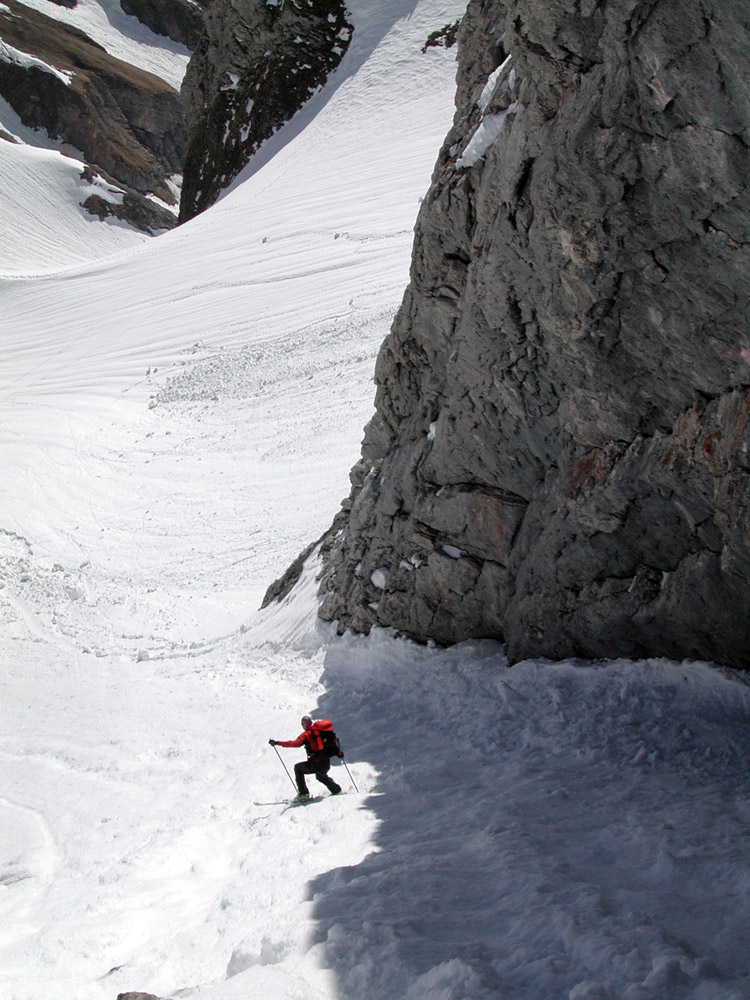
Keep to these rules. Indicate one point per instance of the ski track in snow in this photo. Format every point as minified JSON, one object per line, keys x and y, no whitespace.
{"x":176,"y":424}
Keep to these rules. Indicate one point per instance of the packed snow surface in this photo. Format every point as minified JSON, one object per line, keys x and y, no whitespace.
{"x":43,"y":189}
{"x":176,"y":424}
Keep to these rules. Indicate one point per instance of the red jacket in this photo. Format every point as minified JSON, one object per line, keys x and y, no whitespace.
{"x":311,"y":737}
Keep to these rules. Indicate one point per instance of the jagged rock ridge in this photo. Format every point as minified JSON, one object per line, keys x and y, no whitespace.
{"x":255,"y":66}
{"x":560,"y":456}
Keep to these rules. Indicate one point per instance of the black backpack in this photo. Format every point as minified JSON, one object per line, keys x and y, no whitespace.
{"x":331,"y":745}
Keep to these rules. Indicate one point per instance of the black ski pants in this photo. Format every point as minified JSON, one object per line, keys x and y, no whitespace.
{"x":320,"y":768}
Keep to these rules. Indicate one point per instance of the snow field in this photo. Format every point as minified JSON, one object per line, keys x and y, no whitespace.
{"x":174,"y":429}
{"x":176,"y":424}
{"x":43,"y":190}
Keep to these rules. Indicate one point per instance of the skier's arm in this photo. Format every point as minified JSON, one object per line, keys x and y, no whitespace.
{"x":293,"y":743}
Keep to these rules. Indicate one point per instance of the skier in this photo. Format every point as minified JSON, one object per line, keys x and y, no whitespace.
{"x":317,"y":763}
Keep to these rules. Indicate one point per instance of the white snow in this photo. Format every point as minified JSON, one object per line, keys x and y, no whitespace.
{"x":453,"y":551}
{"x":487,"y":132}
{"x":176,"y":424}
{"x":40,"y":199}
{"x":490,"y":87}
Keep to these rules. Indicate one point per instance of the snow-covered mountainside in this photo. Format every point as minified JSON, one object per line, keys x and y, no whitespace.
{"x":176,"y":422}
{"x":100,"y":89}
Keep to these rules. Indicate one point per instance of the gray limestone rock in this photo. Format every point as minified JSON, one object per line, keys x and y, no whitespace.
{"x":256,"y":64}
{"x":181,"y":20}
{"x":560,"y":455}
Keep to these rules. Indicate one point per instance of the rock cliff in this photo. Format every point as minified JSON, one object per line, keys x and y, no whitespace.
{"x":258,"y":62}
{"x":560,"y":455}
{"x":182,"y":20}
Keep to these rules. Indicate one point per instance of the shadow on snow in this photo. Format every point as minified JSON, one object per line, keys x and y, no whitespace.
{"x":545,"y":832}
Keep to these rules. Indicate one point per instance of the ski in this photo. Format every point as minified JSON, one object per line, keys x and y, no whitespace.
{"x":288,"y":802}
{"x":294,"y":802}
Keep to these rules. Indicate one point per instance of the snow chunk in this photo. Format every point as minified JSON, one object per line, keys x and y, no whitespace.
{"x":491,"y":86}
{"x":247,"y":127}
{"x":96,"y":185}
{"x":431,"y":431}
{"x":15,"y":57}
{"x":452,"y":551}
{"x":379,"y":577}
{"x":234,"y":79}
{"x":487,"y":133}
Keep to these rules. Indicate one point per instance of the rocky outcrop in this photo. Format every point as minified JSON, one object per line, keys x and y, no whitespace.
{"x":255,"y":66}
{"x":134,"y":209}
{"x":181,"y":20}
{"x":136,"y":996}
{"x":560,"y":455}
{"x":125,"y":121}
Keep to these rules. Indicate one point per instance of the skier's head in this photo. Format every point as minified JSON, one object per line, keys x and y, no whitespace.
{"x":306,"y":722}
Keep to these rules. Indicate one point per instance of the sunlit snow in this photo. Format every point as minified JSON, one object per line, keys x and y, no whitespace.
{"x":177,"y":422}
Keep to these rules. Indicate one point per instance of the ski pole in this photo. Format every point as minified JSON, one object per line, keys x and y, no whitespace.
{"x":350,"y":775}
{"x":286,"y":769}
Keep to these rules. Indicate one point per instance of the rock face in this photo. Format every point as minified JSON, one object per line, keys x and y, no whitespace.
{"x":255,"y":66}
{"x":181,"y":20}
{"x":560,"y":456}
{"x":125,"y":121}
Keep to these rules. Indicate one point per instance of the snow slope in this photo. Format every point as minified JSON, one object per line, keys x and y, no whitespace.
{"x":41,"y":205}
{"x":176,"y":423}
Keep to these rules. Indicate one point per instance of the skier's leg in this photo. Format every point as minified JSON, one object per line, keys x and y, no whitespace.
{"x":300,"y":770}
{"x":321,"y":773}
